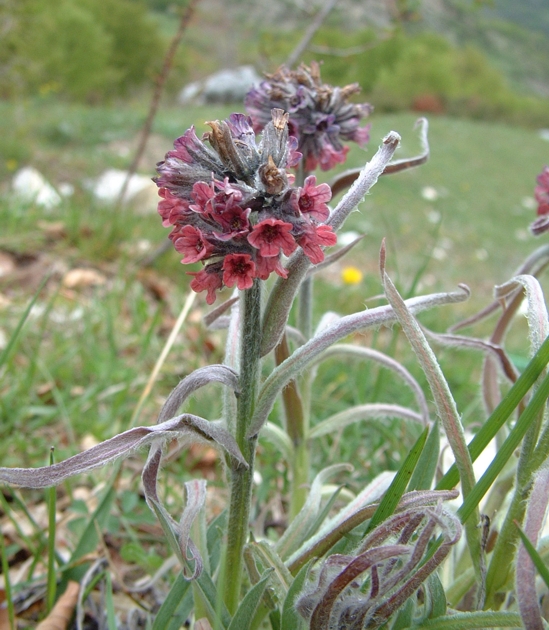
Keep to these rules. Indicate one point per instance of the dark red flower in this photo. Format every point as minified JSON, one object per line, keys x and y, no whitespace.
{"x":172,"y":209}
{"x":192,"y":243}
{"x":239,"y":269}
{"x":265,"y":266}
{"x":206,"y":280}
{"x":272,"y":236}
{"x":312,"y":238}
{"x":311,"y":199}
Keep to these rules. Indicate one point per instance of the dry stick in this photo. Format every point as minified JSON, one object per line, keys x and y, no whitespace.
{"x":296,"y":53}
{"x":160,"y":82}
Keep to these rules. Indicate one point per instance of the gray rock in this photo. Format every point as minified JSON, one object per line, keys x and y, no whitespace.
{"x":225,"y":86}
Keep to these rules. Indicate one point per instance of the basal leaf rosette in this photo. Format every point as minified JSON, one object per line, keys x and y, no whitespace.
{"x":321,"y":116}
{"x":232,"y":206}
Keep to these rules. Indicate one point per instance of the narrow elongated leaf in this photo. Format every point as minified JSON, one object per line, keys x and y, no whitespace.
{"x":528,"y":559}
{"x":249,"y":605}
{"x":371,"y":411}
{"x":506,"y":450}
{"x":290,"y":619}
{"x":470,"y":620}
{"x":305,"y":354}
{"x":171,"y":603}
{"x":122,"y":445}
{"x":502,"y":412}
{"x":424,"y":472}
{"x":195,"y":380}
{"x":398,"y":486}
{"x":540,"y":565}
{"x":352,"y":351}
{"x":296,"y":532}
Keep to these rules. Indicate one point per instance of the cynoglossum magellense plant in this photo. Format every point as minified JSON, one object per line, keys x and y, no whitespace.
{"x":320,"y":115}
{"x":232,"y":205}
{"x":223,"y":188}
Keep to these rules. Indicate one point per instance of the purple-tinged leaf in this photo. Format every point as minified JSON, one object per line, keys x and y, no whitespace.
{"x":284,"y":291}
{"x":487,"y":347}
{"x":220,"y":310}
{"x":184,"y":426}
{"x":195,"y":501}
{"x":347,"y":178}
{"x":195,"y":380}
{"x":358,"y":511}
{"x":525,"y":570}
{"x":533,"y":265}
{"x":320,"y":619}
{"x":303,"y":356}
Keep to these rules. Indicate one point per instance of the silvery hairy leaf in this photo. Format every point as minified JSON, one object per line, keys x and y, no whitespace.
{"x":283,"y":293}
{"x":305,"y":354}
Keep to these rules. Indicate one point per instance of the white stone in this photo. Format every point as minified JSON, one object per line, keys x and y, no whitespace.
{"x":32,"y":187}
{"x":108,"y":186}
{"x":225,"y":86}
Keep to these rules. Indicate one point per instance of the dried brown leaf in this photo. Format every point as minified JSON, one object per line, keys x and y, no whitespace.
{"x":61,"y":614}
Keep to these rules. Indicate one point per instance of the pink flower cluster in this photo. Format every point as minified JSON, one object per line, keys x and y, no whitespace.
{"x":321,"y":116}
{"x":542,"y":191}
{"x":232,"y":204}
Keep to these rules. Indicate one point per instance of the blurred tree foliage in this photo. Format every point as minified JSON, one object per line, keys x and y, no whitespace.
{"x":86,"y":49}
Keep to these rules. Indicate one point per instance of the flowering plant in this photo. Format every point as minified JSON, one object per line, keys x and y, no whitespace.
{"x":252,"y":213}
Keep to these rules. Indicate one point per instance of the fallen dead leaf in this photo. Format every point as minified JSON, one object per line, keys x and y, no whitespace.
{"x":61,"y":614}
{"x":7,"y":264}
{"x":79,"y":278}
{"x":55,"y":230}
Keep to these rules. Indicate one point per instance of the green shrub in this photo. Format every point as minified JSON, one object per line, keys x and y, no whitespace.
{"x":80,"y":48}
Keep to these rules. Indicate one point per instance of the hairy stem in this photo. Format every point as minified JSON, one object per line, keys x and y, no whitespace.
{"x":242,"y":478}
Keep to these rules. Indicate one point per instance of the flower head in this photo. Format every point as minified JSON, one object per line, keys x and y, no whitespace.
{"x":541,"y":192}
{"x":232,"y":205}
{"x":320,"y":116}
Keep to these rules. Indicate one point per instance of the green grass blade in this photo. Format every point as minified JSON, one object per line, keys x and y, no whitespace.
{"x":51,"y":585}
{"x":536,"y":558}
{"x":424,"y":473}
{"x":500,"y":414}
{"x":249,"y":605}
{"x":89,"y":538}
{"x":109,"y":602}
{"x":169,"y":609}
{"x":15,"y":335}
{"x":398,"y":485}
{"x":291,"y":619}
{"x":506,"y":450}
{"x":7,"y":583}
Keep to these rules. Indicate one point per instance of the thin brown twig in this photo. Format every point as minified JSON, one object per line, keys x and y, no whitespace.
{"x":155,"y":101}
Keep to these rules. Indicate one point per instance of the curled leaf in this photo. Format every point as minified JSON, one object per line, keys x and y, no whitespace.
{"x":195,"y":380}
{"x":525,"y":570}
{"x":304,"y":355}
{"x":123,"y":445}
{"x":284,"y":291}
{"x":352,"y":351}
{"x":347,"y":178}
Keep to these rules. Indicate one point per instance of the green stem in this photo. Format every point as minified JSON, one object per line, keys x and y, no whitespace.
{"x":242,"y":478}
